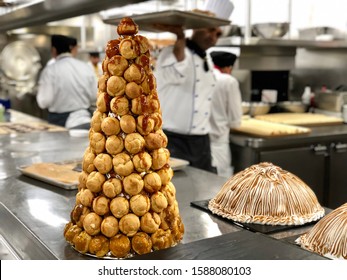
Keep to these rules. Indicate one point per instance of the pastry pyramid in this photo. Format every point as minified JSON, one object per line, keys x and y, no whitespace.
{"x":266,"y":194}
{"x":126,"y":203}
{"x":329,"y":236}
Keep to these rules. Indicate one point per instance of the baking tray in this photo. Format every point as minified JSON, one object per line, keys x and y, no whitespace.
{"x":178,"y":164}
{"x":266,"y":229}
{"x":67,"y":165}
{"x":189,"y":20}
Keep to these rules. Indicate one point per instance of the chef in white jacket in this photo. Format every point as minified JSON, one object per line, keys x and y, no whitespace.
{"x":67,"y":88}
{"x":226,"y":111}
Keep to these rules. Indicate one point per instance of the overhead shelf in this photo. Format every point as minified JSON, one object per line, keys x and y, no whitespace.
{"x":256,"y":41}
{"x":44,"y":12}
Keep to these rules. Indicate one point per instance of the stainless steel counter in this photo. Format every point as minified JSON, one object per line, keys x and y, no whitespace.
{"x":45,"y":209}
{"x":33,"y":213}
{"x":320,"y":133}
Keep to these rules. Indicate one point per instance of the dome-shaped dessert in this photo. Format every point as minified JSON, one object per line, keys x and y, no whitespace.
{"x":266,"y":194}
{"x":329,"y":236}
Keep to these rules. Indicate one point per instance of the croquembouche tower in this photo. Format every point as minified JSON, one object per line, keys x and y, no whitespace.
{"x":126,"y":203}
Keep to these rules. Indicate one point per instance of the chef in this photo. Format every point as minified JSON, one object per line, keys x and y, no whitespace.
{"x":226,"y":111}
{"x":185,"y":83}
{"x":67,"y":88}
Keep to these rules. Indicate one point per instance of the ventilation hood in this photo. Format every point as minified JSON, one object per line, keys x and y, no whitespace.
{"x":39,"y":13}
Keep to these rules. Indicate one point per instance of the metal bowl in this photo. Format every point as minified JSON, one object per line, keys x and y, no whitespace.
{"x":245,"y":108}
{"x":293,"y":106}
{"x":270,"y":29}
{"x":255,"y":108}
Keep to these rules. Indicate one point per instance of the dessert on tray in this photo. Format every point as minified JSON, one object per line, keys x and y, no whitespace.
{"x":266,"y":194}
{"x":126,"y":203}
{"x":328,"y":237}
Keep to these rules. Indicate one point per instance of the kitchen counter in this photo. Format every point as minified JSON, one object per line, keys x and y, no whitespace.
{"x":318,"y":133}
{"x":34,"y":213}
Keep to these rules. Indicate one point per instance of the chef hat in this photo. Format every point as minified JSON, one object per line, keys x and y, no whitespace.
{"x":223,"y":59}
{"x":221,"y":8}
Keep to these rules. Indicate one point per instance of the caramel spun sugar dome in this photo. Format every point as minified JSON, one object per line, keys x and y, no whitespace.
{"x":126,"y":203}
{"x":266,"y":194}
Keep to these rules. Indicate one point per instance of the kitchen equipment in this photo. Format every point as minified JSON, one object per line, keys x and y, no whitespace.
{"x":292,"y":106}
{"x":258,"y":108}
{"x":307,"y":119}
{"x":331,"y":101}
{"x":262,"y":128}
{"x":321,"y":32}
{"x":189,"y":20}
{"x":20,"y":64}
{"x":270,"y":29}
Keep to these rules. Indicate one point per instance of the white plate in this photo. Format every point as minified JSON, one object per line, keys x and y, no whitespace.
{"x":79,"y":132}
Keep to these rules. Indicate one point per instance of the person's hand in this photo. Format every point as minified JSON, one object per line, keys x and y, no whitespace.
{"x":175,"y":29}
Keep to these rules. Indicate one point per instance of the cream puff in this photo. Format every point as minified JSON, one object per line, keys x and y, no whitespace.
{"x":145,"y":124}
{"x":85,"y":197}
{"x":135,"y":73}
{"x":133,"y":90}
{"x":134,"y":143}
{"x":97,"y":142}
{"x":150,"y":222}
{"x":82,"y":241}
{"x":114,"y":144}
{"x":162,"y":239}
{"x":119,"y":206}
{"x":122,"y":164}
{"x":96,"y":120}
{"x":120,"y":245}
{"x":112,"y":187}
{"x":119,"y":105}
{"x":103,"y":163}
{"x":92,"y":223}
{"x":158,"y":202}
{"x":142,"y":162}
{"x":127,"y":124}
{"x":95,"y":181}
{"x":133,"y":184}
{"x":160,"y":157}
{"x":152,"y":182}
{"x":140,"y":204}
{"x":129,"y":48}
{"x":116,"y":86}
{"x":109,"y":226}
{"x":117,"y":65}
{"x":156,"y":140}
{"x":141,"y":243}
{"x":129,"y":224}
{"x":99,"y":246}
{"x":166,"y":174}
{"x":110,"y":126}
{"x":101,"y":205}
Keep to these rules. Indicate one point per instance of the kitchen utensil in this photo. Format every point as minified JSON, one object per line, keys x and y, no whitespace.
{"x":270,"y":29}
{"x":292,"y":106}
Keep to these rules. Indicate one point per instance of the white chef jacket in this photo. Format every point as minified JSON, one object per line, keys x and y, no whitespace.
{"x":68,"y":85}
{"x":185,"y":91}
{"x":226,"y":113}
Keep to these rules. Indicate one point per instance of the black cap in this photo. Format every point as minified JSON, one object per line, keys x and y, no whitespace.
{"x":223,"y":59}
{"x":61,"y":43}
{"x":94,"y":54}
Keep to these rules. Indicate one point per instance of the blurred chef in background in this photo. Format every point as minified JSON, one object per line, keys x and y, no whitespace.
{"x":67,"y":88}
{"x":185,"y":84}
{"x":95,"y":63}
{"x":226,"y":111}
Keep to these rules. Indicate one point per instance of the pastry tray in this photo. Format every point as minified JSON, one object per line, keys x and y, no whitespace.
{"x":266,"y":229}
{"x":178,"y":164}
{"x":189,"y":20}
{"x":67,"y":165}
